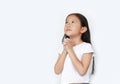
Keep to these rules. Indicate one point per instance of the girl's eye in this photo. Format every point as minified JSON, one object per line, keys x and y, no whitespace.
{"x":73,"y":22}
{"x":66,"y":22}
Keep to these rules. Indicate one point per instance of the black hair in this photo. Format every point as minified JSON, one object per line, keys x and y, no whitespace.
{"x":85,"y":36}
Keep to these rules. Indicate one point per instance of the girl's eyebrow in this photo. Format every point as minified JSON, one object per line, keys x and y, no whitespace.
{"x":72,"y":20}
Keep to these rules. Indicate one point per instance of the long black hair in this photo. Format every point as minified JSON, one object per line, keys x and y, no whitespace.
{"x":85,"y":36}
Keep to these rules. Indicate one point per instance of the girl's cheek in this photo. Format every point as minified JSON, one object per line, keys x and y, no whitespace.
{"x":64,"y":29}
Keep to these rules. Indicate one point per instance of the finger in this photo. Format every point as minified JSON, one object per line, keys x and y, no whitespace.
{"x":66,"y":41}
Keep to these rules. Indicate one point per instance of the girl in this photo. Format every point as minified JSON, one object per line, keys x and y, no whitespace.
{"x":76,"y":60}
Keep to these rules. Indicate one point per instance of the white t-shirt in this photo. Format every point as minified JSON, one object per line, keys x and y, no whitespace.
{"x":69,"y":73}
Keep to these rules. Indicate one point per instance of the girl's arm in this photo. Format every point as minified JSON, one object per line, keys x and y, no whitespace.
{"x":60,"y":62}
{"x":80,"y":66}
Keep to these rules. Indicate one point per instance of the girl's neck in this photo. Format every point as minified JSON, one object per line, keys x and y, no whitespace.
{"x":77,"y":40}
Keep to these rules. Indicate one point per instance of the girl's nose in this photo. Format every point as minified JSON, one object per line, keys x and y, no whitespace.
{"x":68,"y":24}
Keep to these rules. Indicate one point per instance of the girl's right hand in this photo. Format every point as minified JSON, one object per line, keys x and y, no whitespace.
{"x":66,"y":41}
{"x":68,"y":44}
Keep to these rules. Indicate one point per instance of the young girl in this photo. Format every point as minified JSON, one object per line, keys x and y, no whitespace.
{"x":75,"y":63}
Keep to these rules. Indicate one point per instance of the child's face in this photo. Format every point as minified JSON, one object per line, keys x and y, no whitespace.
{"x":72,"y":26}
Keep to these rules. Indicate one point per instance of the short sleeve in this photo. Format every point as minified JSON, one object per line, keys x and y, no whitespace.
{"x":88,"y":48}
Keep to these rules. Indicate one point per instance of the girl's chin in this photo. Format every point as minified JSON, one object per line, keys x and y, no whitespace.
{"x":68,"y":34}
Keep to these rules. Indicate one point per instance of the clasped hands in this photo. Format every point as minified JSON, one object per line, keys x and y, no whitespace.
{"x":68,"y":44}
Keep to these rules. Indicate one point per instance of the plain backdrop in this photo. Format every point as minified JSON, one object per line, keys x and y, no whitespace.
{"x":31,"y":32}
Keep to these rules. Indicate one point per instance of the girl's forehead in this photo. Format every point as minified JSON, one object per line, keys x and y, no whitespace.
{"x":72,"y":17}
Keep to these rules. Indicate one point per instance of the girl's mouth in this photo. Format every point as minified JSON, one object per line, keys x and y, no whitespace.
{"x":68,"y":30}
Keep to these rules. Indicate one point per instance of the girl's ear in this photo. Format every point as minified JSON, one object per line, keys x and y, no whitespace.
{"x":83,"y":29}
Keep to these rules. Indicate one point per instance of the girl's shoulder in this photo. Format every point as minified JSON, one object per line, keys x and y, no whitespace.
{"x":84,"y":47}
{"x":87,"y":47}
{"x":84,"y":44}
{"x":87,"y":44}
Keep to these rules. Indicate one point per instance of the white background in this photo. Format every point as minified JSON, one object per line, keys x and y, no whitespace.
{"x":31,"y":30}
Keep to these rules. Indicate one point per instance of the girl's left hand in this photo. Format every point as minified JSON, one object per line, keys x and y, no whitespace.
{"x":68,"y":44}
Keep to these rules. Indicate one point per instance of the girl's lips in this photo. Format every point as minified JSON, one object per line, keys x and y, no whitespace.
{"x":68,"y":30}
